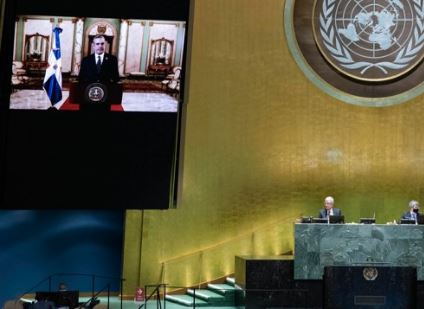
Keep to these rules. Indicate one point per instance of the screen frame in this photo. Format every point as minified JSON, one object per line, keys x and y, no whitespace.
{"x":12,"y":9}
{"x":175,"y":10}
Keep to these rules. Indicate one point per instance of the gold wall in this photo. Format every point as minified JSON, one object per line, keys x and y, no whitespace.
{"x":263,"y":146}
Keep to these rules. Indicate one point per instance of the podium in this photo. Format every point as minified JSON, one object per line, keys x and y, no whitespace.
{"x":267,"y":282}
{"x":320,"y":245}
{"x":369,"y":286}
{"x":90,"y":95}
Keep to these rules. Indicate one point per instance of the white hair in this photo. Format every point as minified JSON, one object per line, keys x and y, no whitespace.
{"x":413,"y":204}
{"x":329,"y":199}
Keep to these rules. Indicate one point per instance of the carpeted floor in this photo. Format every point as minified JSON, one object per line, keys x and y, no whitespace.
{"x":143,"y":85}
{"x":131,"y":101}
{"x":128,"y":85}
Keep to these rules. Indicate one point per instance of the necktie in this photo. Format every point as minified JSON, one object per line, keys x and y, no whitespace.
{"x":98,"y":64}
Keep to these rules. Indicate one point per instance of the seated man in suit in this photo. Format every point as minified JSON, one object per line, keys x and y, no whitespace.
{"x":329,"y":209}
{"x":99,"y":67}
{"x":413,"y":212}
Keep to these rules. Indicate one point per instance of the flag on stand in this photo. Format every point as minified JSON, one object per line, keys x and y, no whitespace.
{"x":53,"y":78}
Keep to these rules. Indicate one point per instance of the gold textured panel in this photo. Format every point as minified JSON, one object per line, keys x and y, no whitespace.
{"x":264,"y":146}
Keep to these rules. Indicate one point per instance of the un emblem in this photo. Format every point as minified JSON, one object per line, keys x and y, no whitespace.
{"x":363,"y":52}
{"x":370,"y":273}
{"x":371,"y":40}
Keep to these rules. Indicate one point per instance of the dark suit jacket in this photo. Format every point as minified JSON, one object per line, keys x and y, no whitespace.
{"x":408,"y":215}
{"x":323,"y":213}
{"x":108,"y":72}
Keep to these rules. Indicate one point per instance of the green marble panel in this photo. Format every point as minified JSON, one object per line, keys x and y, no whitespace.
{"x":319,"y":245}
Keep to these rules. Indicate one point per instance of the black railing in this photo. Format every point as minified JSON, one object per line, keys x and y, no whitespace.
{"x":93,"y":298}
{"x":260,"y":298}
{"x":156,"y":291}
{"x":94,"y":294}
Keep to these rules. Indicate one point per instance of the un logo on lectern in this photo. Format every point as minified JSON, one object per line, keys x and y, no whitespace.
{"x":370,"y":273}
{"x":372,"y":40}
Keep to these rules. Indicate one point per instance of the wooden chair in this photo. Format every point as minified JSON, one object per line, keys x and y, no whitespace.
{"x":175,"y":75}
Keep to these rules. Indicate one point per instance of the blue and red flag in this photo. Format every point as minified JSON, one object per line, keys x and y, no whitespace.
{"x":53,"y":78}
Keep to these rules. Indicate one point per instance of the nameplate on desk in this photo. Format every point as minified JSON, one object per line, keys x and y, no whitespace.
{"x":367,"y":220}
{"x":319,"y":220}
{"x":407,"y":221}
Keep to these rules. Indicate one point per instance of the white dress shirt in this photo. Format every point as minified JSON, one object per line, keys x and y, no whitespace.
{"x":101,"y":57}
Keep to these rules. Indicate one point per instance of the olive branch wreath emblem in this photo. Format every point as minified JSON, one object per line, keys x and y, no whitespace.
{"x":342,"y":54}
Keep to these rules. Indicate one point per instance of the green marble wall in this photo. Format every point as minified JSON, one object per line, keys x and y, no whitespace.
{"x":319,"y":245}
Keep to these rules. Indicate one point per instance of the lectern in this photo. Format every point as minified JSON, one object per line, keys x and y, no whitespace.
{"x":369,"y":286}
{"x":100,"y":94}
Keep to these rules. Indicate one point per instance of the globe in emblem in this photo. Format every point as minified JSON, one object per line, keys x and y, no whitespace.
{"x":372,"y":40}
{"x":370,"y":273}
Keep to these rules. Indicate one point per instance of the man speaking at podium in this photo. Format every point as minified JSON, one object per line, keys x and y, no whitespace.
{"x":98,"y":78}
{"x":99,"y":67}
{"x":329,"y":209}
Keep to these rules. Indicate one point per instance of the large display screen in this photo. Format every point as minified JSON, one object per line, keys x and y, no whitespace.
{"x":82,"y":132}
{"x":75,"y":62}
